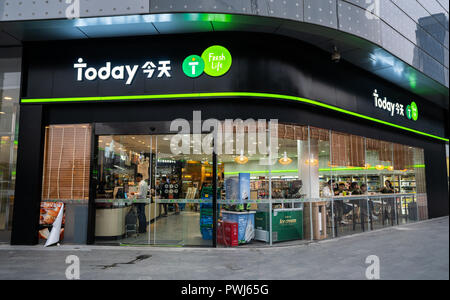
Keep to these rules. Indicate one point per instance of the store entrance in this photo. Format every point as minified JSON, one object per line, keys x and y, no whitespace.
{"x":148,"y":193}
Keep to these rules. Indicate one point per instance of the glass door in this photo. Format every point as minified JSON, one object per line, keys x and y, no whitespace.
{"x":153,"y":190}
{"x":183,"y":179}
{"x":122,"y":200}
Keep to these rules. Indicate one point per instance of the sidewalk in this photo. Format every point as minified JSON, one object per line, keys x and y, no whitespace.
{"x":413,"y":251}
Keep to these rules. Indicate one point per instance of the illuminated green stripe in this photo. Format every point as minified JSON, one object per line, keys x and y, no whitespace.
{"x":320,"y":170}
{"x":228,"y":94}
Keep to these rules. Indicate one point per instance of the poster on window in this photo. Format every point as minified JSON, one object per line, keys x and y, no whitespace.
{"x":49,"y":219}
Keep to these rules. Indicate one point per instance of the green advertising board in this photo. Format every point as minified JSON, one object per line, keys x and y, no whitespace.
{"x":287,"y":224}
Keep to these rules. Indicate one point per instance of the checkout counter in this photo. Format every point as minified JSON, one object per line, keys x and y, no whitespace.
{"x":110,"y":213}
{"x":110,"y":216}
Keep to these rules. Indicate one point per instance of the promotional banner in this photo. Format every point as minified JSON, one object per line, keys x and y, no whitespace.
{"x":51,"y":222}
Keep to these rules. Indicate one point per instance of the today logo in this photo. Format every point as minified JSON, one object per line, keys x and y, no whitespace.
{"x":121,"y":72}
{"x":214,"y":61}
{"x":412,"y":112}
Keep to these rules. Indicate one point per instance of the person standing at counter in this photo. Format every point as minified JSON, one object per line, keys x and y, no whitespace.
{"x":143,"y":190}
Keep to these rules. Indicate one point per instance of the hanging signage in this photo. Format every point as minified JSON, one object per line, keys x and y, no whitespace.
{"x":395,"y":108}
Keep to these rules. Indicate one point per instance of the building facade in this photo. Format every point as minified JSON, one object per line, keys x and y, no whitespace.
{"x":309,"y":119}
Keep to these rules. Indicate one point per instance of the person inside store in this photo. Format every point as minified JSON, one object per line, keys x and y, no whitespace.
{"x":388,"y":188}
{"x":355,"y":189}
{"x":140,"y":207}
{"x":364,"y":191}
{"x":363,"y":188}
{"x":327,"y":190}
{"x":341,"y":190}
{"x":389,"y":208}
{"x":339,"y":204}
{"x":163,"y":190}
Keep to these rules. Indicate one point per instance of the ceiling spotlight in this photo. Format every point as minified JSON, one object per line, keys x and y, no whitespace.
{"x":379,"y":167}
{"x":241,"y":159}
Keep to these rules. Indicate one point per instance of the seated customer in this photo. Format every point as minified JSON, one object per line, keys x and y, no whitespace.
{"x":340,"y":190}
{"x":327,"y":190}
{"x":354,"y":189}
{"x":389,"y":207}
{"x":388,"y":188}
{"x":339,"y":204}
{"x":363,"y":189}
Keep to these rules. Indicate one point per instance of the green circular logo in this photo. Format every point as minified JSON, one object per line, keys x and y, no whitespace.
{"x":193,"y":66}
{"x":408,"y":112}
{"x":414,"y":111}
{"x":217,"y":60}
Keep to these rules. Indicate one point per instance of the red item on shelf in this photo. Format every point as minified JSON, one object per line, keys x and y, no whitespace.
{"x":230,"y":233}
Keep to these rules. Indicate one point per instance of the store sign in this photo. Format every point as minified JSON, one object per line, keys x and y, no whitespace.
{"x":122,"y":72}
{"x":215,"y":61}
{"x":395,"y":108}
{"x":412,"y":112}
{"x":193,"y":66}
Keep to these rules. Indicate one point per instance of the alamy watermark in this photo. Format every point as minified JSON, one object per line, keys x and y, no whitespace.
{"x":225,"y":137}
{"x":73,"y":9}
{"x":73,"y":270}
{"x":373,"y":9}
{"x":373,"y":270}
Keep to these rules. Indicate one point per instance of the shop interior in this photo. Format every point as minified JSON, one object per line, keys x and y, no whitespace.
{"x":315,"y":184}
{"x":175,"y":205}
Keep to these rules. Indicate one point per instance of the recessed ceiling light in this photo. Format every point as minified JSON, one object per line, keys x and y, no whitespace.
{"x":2,"y":113}
{"x":7,"y":98}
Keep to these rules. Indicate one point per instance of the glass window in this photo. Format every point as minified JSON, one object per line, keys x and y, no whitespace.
{"x":10,"y":65}
{"x":244,"y":178}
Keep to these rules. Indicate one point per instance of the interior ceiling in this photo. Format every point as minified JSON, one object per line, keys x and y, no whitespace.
{"x":357,"y":51}
{"x":140,"y":144}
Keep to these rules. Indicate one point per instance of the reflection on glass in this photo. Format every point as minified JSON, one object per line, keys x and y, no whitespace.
{"x":147,"y":194}
{"x":9,"y":114}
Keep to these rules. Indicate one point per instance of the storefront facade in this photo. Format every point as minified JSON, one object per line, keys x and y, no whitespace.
{"x":95,"y":114}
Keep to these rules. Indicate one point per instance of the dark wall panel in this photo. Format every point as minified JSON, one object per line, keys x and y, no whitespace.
{"x":28,"y":177}
{"x":261,"y":63}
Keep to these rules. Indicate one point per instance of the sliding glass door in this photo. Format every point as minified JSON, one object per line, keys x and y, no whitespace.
{"x":153,"y":190}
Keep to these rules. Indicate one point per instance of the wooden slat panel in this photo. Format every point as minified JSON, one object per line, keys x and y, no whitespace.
{"x":67,"y":162}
